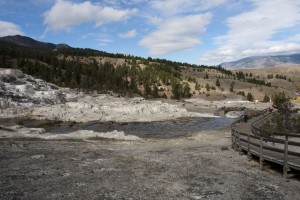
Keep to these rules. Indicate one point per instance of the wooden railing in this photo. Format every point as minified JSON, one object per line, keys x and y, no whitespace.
{"x":281,"y":151}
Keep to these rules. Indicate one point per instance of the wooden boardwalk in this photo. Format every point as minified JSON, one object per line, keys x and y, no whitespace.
{"x":285,"y":152}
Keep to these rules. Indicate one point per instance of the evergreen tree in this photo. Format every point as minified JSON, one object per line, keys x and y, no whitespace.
{"x":154,"y":92}
{"x":176,"y":90}
{"x":3,"y":61}
{"x":250,"y":97}
{"x":266,"y":98}
{"x":206,"y":76}
{"x":284,"y":106}
{"x":241,"y":93}
{"x":147,"y":88}
{"x":218,"y":83}
{"x":231,"y":86}
{"x":207,"y":87}
{"x":186,"y":91}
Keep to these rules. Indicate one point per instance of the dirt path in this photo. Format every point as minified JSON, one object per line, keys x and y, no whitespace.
{"x":200,"y":167}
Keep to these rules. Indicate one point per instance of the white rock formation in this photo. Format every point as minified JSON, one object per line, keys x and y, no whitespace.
{"x":47,"y":101}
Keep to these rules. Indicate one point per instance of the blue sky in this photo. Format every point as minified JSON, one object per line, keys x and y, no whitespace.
{"x":194,"y":31}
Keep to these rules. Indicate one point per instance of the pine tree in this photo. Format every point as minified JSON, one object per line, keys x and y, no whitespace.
{"x":207,"y":87}
{"x":176,"y":90}
{"x":231,"y":86}
{"x":250,"y":97}
{"x":147,"y":88}
{"x":186,"y":91}
{"x":266,"y":98}
{"x":218,"y":83}
{"x":3,"y":61}
{"x":284,"y":106}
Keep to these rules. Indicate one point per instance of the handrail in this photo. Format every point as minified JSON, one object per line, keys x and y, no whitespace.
{"x":255,"y":143}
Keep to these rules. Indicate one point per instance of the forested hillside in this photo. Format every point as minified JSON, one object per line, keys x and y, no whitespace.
{"x":85,"y":69}
{"x":91,"y":70}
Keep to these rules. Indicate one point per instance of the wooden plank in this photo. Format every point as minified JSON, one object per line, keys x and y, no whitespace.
{"x":274,"y":140}
{"x":261,"y":158}
{"x":287,"y":134}
{"x":271,"y":148}
{"x":285,"y":165}
{"x":292,"y":143}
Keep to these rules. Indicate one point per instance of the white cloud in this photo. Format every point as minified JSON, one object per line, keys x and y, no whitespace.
{"x":66,"y":14}
{"x":8,"y":28}
{"x":178,"y":24}
{"x":176,"y":34}
{"x":173,"y":7}
{"x":129,"y":34}
{"x":104,"y":40}
{"x":275,"y":49}
{"x":255,"y":32}
{"x":102,"y":44}
{"x":120,"y":2}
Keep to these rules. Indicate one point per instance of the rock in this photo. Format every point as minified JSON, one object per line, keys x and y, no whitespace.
{"x":41,"y":156}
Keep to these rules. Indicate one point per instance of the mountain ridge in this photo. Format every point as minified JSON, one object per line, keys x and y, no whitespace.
{"x":244,"y":63}
{"x":28,"y":42}
{"x":263,"y":62}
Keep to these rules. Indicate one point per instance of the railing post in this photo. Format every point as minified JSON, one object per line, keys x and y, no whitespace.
{"x":248,"y":149}
{"x":261,"y":158}
{"x":240,"y":147}
{"x":235,"y":140}
{"x":285,"y":162}
{"x":232,"y":138}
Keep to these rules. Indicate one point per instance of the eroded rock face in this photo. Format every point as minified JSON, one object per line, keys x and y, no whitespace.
{"x":4,"y":104}
{"x":48,"y":101}
{"x":10,"y":75}
{"x":17,"y":88}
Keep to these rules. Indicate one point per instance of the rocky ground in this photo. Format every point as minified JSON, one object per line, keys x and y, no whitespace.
{"x":202,"y":166}
{"x":90,"y":165}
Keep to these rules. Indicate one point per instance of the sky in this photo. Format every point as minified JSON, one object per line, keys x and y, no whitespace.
{"x":206,"y":32}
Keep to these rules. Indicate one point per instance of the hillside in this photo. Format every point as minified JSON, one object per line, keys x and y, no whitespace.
{"x":91,"y":70}
{"x":28,"y":42}
{"x":264,"y":62}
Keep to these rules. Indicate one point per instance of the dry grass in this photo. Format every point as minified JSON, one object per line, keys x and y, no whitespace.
{"x":257,"y":91}
{"x":222,"y":92}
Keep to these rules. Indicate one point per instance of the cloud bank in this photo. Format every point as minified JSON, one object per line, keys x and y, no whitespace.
{"x":129,"y":34}
{"x":176,"y":34}
{"x":66,"y":14}
{"x":8,"y":28}
{"x":261,"y":31}
{"x":179,"y":25}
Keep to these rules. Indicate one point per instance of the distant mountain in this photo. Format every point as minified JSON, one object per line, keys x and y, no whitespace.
{"x":263,"y":62}
{"x":31,"y":43}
